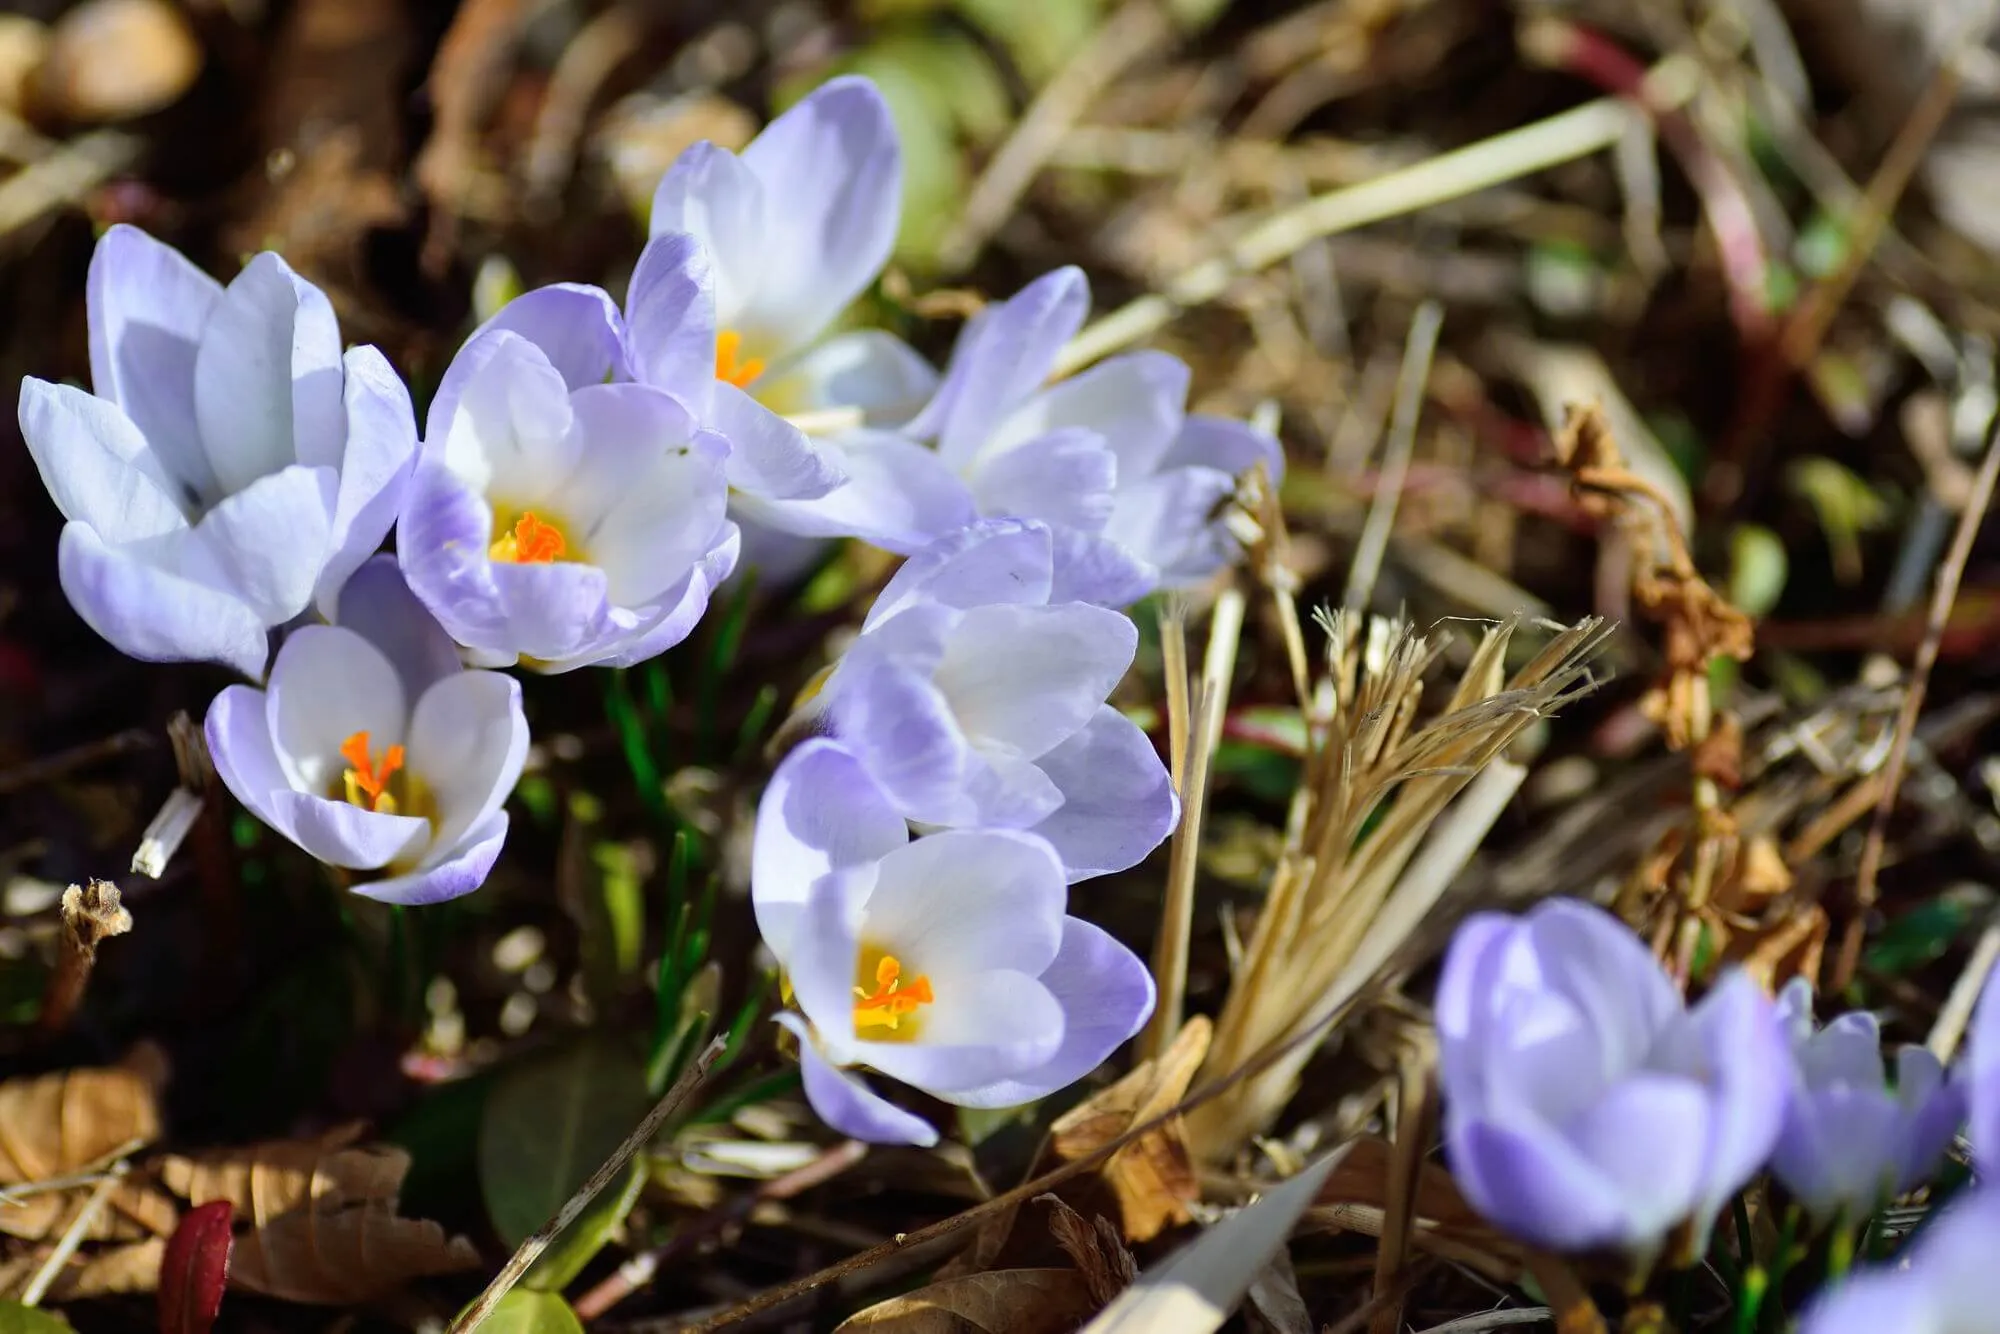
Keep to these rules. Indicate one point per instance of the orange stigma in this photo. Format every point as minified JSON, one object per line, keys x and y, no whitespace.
{"x":530,"y":542}
{"x":885,"y":1006}
{"x":739,"y":373}
{"x":366,"y":783}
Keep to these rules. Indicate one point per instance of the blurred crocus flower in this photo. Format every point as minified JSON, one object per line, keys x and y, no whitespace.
{"x":970,"y":700}
{"x":1980,"y":1076}
{"x":1948,"y":1283}
{"x":374,"y":750}
{"x":1585,"y":1106}
{"x":947,"y":962}
{"x":1850,"y":1142}
{"x":562,"y":527}
{"x":232,"y":468}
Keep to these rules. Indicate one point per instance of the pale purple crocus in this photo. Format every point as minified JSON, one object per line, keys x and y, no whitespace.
{"x":1980,"y":1074}
{"x":946,"y":963}
{"x":373,"y":750}
{"x":1947,"y":1283}
{"x":1851,"y":1143}
{"x":232,"y":467}
{"x":1586,"y":1107}
{"x":562,"y":526}
{"x":971,"y":700}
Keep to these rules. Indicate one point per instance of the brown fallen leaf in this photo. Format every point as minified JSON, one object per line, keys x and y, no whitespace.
{"x":1008,"y":1301}
{"x":1093,"y":1247}
{"x":104,"y":1272}
{"x":266,"y":1180}
{"x":59,"y":1125}
{"x":1153,"y":1177}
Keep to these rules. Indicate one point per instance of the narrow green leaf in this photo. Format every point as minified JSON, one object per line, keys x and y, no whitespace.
{"x":526,"y":1311}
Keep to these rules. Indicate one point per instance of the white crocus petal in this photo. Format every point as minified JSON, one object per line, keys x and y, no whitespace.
{"x":1007,"y":792}
{"x":1134,"y":402}
{"x":341,"y":834}
{"x":868,"y":369}
{"x":96,"y":465}
{"x":374,"y":471}
{"x":1066,"y":478}
{"x":1001,"y":358}
{"x":267,"y":543}
{"x":1168,"y":520}
{"x":964,"y":900}
{"x":848,"y":1105}
{"x":468,"y":741}
{"x":153,"y":612}
{"x":984,"y":1026}
{"x":577,"y":327}
{"x":770,"y":457}
{"x":671,"y":311}
{"x":989,"y":561}
{"x":710,"y":194}
{"x":510,"y":434}
{"x":648,"y":496}
{"x":899,"y":496}
{"x":820,"y":813}
{"x":269,"y":335}
{"x":326,"y":685}
{"x":825,"y":952}
{"x":1024,"y":679}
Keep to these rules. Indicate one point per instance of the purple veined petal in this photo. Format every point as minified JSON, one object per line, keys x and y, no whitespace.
{"x":1648,"y":1137}
{"x":1106,"y":995}
{"x":1530,"y":1182}
{"x":848,"y":1105}
{"x":1981,"y":1075}
{"x":1749,"y":1072}
{"x":898,"y":496}
{"x":148,"y":308}
{"x":902,"y":730}
{"x":1134,"y":403}
{"x":577,"y":327}
{"x":454,"y":878}
{"x":378,"y":605}
{"x":832,"y":173}
{"x":375,"y":471}
{"x":1089,"y":567}
{"x":268,"y":542}
{"x":1004,"y":791}
{"x":97,"y":467}
{"x":510,"y":433}
{"x":326,"y":685}
{"x":820,"y":813}
{"x":1848,"y":1050}
{"x":671,"y":312}
{"x":1065,"y":478}
{"x":442,"y":539}
{"x":982,"y":1028}
{"x":825,"y":953}
{"x":868,"y":369}
{"x":238,"y":732}
{"x":683,"y":611}
{"x":557,"y":612}
{"x":1225,"y":445}
{"x":986,"y":561}
{"x":267,"y":378}
{"x":1591,"y":958}
{"x":1001,"y":358}
{"x":648,"y":494}
{"x":154,"y":614}
{"x":713,"y":195}
{"x":1169,"y":521}
{"x":1933,"y":1110}
{"x":769,"y":457}
{"x":1838,"y":1149}
{"x":1874,"y":1302}
{"x":341,"y":834}
{"x":468,"y":741}
{"x":969,"y":899}
{"x":1118,"y":799}
{"x":1025,"y":679}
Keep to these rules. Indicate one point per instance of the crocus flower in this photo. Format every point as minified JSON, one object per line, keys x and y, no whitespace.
{"x":1947,"y":1284}
{"x":1585,"y":1106}
{"x":1850,"y":1142}
{"x":1980,"y":1075}
{"x":231,"y":468}
{"x":562,"y":527}
{"x":970,"y":700}
{"x":946,"y":962}
{"x":374,"y":750}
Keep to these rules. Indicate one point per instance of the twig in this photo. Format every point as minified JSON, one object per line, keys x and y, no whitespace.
{"x":1418,"y":1103}
{"x":47,"y":770}
{"x":531,"y":1249}
{"x":72,"y":1236}
{"x":64,"y":177}
{"x":1958,"y":1006}
{"x":1481,"y":1321}
{"x":1944,"y":594}
{"x":1418,"y":349}
{"x":90,"y":915}
{"x":1561,"y":138}
{"x":1170,"y":953}
{"x":638,"y":1271}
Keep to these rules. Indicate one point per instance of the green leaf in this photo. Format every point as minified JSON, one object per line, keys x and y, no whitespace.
{"x":549,"y":1123}
{"x":1845,"y":505}
{"x":18,"y":1319}
{"x":1757,"y":569}
{"x":584,"y":1238}
{"x":525,"y":1311}
{"x":1042,"y":37}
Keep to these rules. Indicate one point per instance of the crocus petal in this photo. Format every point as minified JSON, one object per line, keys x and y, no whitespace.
{"x":509,"y":434}
{"x":1982,"y":1073}
{"x":1026,"y":678}
{"x":153,"y":614}
{"x":267,"y":378}
{"x":1106,"y":995}
{"x":1874,"y":1302}
{"x":770,"y":457}
{"x":1168,"y":520}
{"x":1933,"y":1107}
{"x":648,"y":492}
{"x":832,"y":175}
{"x":576,"y":326}
{"x":671,"y":306}
{"x":825,"y":952}
{"x":1594,"y":960}
{"x":1954,"y":1262}
{"x":988,"y":561}
{"x":982,"y":1028}
{"x":1227,"y":446}
{"x":1092,"y":568}
{"x":327,"y":684}
{"x":1746,"y":1062}
{"x":712,"y":195}
{"x":1064,"y":478}
{"x":970,"y":899}
{"x":1134,"y":403}
{"x":442,"y":538}
{"x":898,"y":496}
{"x":381,"y":450}
{"x":1004,"y":791}
{"x":450,"y":879}
{"x":1001,"y":358}
{"x":821,"y":812}
{"x":341,"y":834}
{"x":1118,"y":799}
{"x":268,"y":542}
{"x":902,"y":730}
{"x":866,"y":368}
{"x":1533,"y":1184}
{"x":1648,"y":1137}
{"x":468,"y":741}
{"x":558,"y":611}
{"x":848,"y":1105}
{"x":683,"y":610}
{"x":148,"y":309}
{"x":238,"y":732}
{"x":98,"y":468}
{"x":378,"y":605}
{"x":1836,"y":1149}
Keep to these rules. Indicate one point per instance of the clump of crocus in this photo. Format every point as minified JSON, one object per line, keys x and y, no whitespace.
{"x":970,"y":700}
{"x":562,"y":528}
{"x":1851,"y":1143}
{"x":233,"y":465}
{"x":374,"y":750}
{"x":947,"y":963}
{"x":1586,"y":1107}
{"x":1947,"y":1283}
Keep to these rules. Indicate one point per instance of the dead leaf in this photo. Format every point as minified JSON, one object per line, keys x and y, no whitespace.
{"x":266,"y":1180}
{"x":58,"y":1125}
{"x":1273,"y":1303}
{"x":1093,"y":1247}
{"x":112,"y":1271}
{"x":1009,"y":1301}
{"x":1153,"y":1177}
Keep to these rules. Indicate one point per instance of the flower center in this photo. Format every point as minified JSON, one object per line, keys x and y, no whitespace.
{"x":890,"y":1000}
{"x":532,"y":540}
{"x":366,"y":783}
{"x":728,"y":366}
